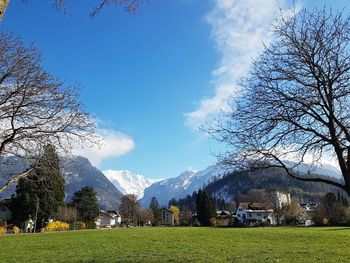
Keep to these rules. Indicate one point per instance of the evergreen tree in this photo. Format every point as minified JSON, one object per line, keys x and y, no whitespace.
{"x":206,"y":209}
{"x":86,"y":202}
{"x":43,"y":187}
{"x":154,"y":206}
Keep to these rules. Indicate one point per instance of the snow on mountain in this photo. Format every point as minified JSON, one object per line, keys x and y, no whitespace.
{"x":128,"y":182}
{"x":182,"y":185}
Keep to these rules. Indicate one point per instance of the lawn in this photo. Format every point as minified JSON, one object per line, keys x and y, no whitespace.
{"x":180,"y":244}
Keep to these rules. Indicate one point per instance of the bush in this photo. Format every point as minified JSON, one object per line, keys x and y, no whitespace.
{"x":3,"y":230}
{"x":56,"y":226}
{"x":16,"y":230}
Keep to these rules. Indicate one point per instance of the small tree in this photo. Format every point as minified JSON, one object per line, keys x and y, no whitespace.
{"x":154,"y":206}
{"x":176,"y":212}
{"x":86,"y":203}
{"x":294,"y":214}
{"x":43,"y":188}
{"x":129,"y":207}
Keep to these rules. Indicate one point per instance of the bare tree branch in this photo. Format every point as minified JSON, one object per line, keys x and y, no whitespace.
{"x":296,"y":99}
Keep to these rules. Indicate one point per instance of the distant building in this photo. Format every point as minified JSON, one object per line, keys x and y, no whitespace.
{"x":108,"y":219}
{"x":168,"y":218}
{"x":255,"y":213}
{"x":223,"y":218}
{"x":281,"y":199}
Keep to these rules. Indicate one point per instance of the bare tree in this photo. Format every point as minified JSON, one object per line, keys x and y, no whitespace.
{"x":128,"y":208}
{"x":295,"y":102}
{"x":35,"y":108}
{"x":130,"y":6}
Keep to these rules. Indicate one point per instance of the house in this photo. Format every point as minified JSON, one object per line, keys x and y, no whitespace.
{"x":223,"y":218}
{"x":167,"y":217}
{"x":108,"y":219}
{"x":255,"y":213}
{"x":5,"y":213}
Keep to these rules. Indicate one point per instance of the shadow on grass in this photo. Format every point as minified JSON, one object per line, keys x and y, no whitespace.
{"x":337,"y":229}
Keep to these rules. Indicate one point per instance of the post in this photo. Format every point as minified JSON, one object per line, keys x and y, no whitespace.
{"x":75,"y":216}
{"x":36,"y":214}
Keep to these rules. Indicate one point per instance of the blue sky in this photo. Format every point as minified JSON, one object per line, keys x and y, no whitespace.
{"x":150,"y":79}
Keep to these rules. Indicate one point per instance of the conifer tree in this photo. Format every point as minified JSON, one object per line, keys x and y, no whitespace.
{"x":206,"y":209}
{"x":44,"y":187}
{"x":154,"y":206}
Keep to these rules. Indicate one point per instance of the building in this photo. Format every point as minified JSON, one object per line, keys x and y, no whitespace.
{"x":223,"y":218}
{"x":255,"y":214}
{"x":280,"y":199}
{"x":167,"y":217}
{"x":108,"y":219}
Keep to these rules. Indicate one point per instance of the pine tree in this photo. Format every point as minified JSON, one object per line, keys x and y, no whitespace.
{"x":206,"y":209}
{"x":86,"y":202}
{"x":154,"y":206}
{"x":43,"y":187}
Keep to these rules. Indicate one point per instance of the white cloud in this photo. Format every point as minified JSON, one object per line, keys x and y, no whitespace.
{"x":113,"y":144}
{"x":239,"y":28}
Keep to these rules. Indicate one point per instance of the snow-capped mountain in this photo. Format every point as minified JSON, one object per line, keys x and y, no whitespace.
{"x":128,"y":182}
{"x":182,"y":185}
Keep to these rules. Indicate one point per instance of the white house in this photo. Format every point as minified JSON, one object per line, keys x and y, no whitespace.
{"x":281,"y":199}
{"x":168,"y":217}
{"x":108,"y":219}
{"x":255,"y":213}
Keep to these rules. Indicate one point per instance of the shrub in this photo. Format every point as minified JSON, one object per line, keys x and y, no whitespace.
{"x":3,"y":230}
{"x":56,"y":226}
{"x":16,"y":230}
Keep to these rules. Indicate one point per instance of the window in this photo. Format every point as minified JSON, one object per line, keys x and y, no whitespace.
{"x":240,"y":209}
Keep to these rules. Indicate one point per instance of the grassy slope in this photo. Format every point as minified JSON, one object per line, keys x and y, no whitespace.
{"x":181,"y":245}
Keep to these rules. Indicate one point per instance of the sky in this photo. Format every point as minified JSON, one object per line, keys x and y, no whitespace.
{"x":151,"y":79}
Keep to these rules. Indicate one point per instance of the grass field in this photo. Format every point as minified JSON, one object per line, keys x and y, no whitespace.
{"x":179,"y":244}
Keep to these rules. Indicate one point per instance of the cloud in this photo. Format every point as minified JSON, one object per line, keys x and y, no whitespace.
{"x":239,"y":29}
{"x":113,"y":144}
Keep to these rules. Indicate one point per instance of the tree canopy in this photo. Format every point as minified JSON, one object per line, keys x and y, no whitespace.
{"x":44,"y":186}
{"x":295,"y":102}
{"x":86,"y":203}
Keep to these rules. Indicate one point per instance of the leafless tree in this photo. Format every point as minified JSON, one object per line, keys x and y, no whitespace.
{"x":128,"y":208}
{"x":296,"y":99}
{"x":36,"y":109}
{"x":130,"y":6}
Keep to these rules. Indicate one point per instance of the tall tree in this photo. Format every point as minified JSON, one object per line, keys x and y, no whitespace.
{"x":42,"y":189}
{"x":36,"y":109}
{"x":86,"y":203}
{"x":206,"y":209}
{"x":155,"y":208}
{"x":295,"y":101}
{"x":129,"y":207}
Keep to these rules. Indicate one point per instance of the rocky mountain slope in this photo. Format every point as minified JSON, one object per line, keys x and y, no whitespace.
{"x":77,"y":172}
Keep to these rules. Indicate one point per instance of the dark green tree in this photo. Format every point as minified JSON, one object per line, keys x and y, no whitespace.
{"x":206,"y":209}
{"x":86,"y":202}
{"x":43,"y":187}
{"x":154,"y":206}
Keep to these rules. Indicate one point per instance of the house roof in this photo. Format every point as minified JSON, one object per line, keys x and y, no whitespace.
{"x":166,"y":209}
{"x":109,"y":214}
{"x":253,"y":206}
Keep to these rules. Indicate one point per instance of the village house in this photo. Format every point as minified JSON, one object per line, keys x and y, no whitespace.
{"x":167,"y":216}
{"x":108,"y":219}
{"x":255,"y":213}
{"x":223,"y":218}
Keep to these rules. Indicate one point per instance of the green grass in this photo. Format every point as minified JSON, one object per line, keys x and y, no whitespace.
{"x":180,"y":244}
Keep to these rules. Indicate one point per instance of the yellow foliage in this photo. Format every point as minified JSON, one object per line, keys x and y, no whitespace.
{"x":56,"y":226}
{"x":3,"y":230}
{"x":16,"y":230}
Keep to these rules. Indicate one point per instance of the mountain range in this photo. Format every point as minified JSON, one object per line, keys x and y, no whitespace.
{"x":128,"y":182}
{"x":77,"y":172}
